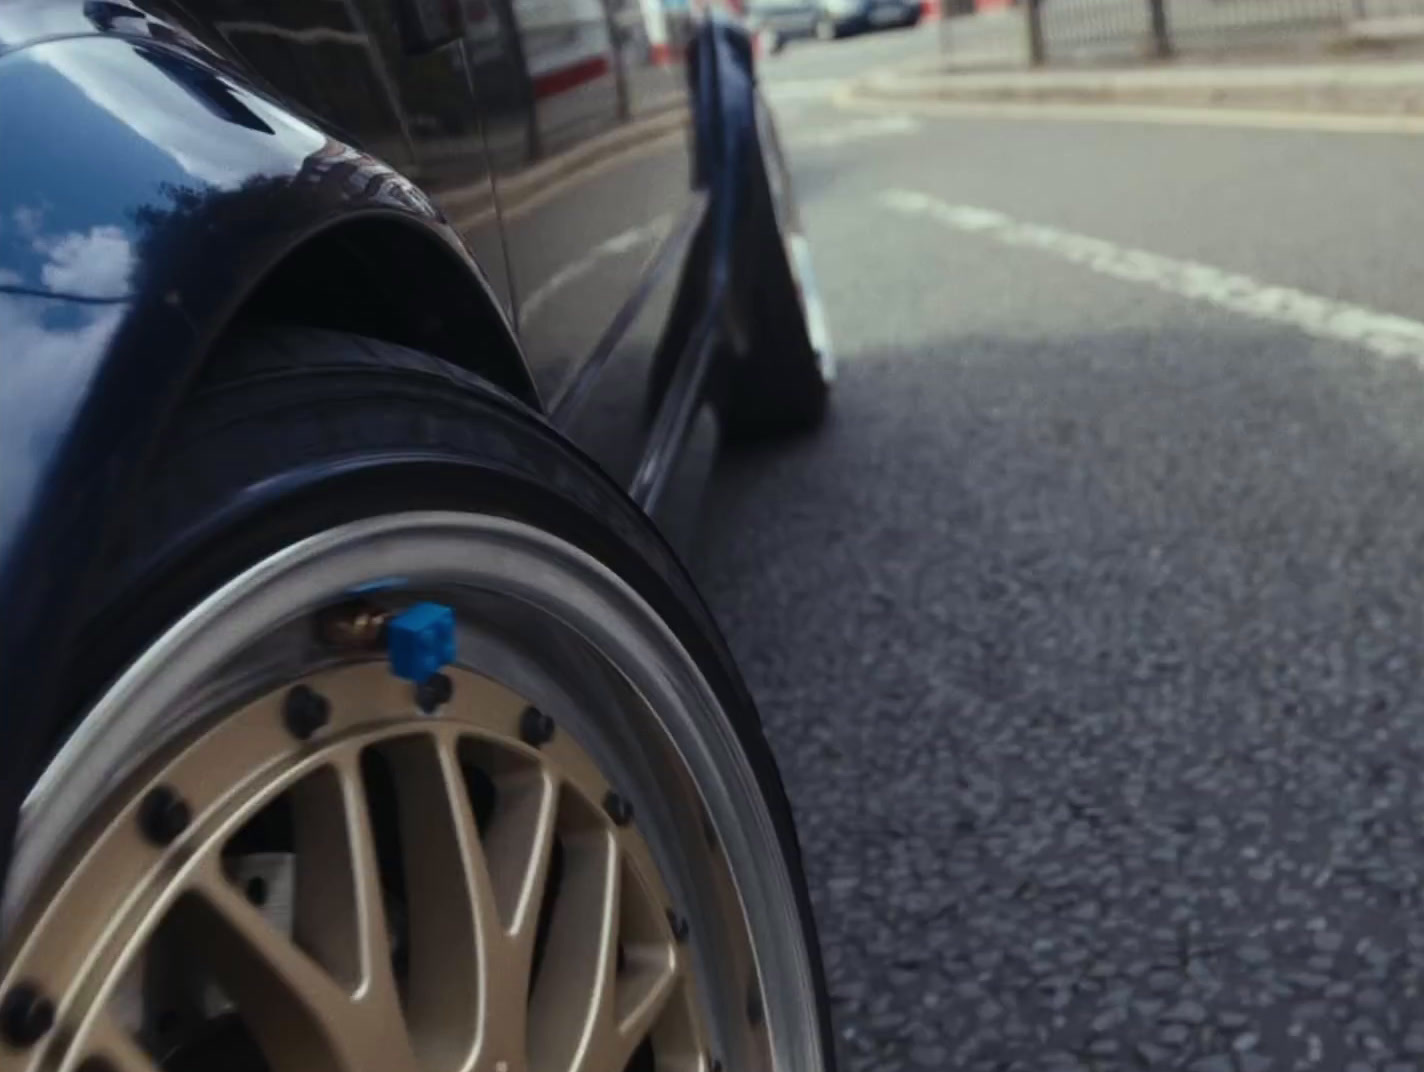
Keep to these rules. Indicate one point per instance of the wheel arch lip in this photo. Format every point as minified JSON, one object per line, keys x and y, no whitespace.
{"x":113,"y":292}
{"x":727,"y":133}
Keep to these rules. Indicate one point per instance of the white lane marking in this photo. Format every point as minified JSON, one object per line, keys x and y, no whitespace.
{"x":617,"y":246}
{"x":848,"y":98}
{"x":801,"y":89}
{"x":1382,"y":333}
{"x":857,"y":130}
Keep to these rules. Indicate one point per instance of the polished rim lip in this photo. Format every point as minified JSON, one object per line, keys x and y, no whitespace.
{"x":480,"y":552}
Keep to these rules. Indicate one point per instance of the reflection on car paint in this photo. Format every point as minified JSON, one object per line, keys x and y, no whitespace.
{"x":633,"y":240}
{"x":544,"y":130}
{"x":53,"y":346}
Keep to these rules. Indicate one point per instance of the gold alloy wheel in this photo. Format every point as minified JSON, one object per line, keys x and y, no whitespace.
{"x":345,"y":873}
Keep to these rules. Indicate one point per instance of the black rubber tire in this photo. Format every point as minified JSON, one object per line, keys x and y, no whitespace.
{"x":411,"y":432}
{"x":775,"y":387}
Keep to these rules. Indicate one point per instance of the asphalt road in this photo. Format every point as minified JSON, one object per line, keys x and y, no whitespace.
{"x":1090,"y":630}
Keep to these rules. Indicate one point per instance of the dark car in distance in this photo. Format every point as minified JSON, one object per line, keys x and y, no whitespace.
{"x":777,"y":22}
{"x":354,"y":355}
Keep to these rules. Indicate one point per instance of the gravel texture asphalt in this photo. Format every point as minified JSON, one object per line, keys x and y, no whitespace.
{"x":1089,"y":630}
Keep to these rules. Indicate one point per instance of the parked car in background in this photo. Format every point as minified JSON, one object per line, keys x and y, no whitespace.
{"x":357,"y":714}
{"x":780,"y":21}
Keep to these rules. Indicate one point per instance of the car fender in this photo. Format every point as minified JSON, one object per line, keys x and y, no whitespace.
{"x":723,"y":79}
{"x":726,"y":75}
{"x":147,"y":190}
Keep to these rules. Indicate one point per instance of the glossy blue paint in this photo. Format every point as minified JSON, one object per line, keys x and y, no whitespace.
{"x":144,"y":193}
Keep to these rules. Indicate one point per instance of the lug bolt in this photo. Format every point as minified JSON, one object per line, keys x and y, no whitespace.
{"x":535,"y":728}
{"x":305,"y":711}
{"x":434,"y":691}
{"x":26,"y":1016}
{"x":163,"y":815}
{"x":619,"y":808}
{"x":256,"y":890}
{"x":678,"y":925}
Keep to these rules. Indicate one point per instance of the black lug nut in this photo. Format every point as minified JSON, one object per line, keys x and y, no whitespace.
{"x":26,"y":1015}
{"x":163,"y":815}
{"x":678,"y":925}
{"x":535,"y":727}
{"x":619,"y":808}
{"x":96,"y":1064}
{"x":434,"y":691}
{"x":256,"y":890}
{"x":714,"y":1065}
{"x":305,"y":711}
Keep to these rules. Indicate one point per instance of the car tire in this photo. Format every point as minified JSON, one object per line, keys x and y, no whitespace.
{"x":643,"y":752}
{"x":779,"y":382}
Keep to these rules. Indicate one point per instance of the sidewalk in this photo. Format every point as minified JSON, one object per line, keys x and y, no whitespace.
{"x":1358,"y":88}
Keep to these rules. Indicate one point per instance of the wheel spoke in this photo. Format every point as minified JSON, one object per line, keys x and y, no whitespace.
{"x":455,"y":936}
{"x":299,"y":1015}
{"x":571,"y":1009}
{"x":506,"y":867}
{"x":377,"y":996}
{"x":634,"y":1025}
{"x":638,"y":970}
{"x":326,"y":912}
{"x":116,"y":1048}
{"x":533,"y":825}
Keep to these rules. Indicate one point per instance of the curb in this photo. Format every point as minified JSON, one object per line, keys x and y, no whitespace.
{"x":1395,"y":92}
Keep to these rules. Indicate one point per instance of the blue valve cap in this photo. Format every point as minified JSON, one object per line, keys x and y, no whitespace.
{"x":420,"y":641}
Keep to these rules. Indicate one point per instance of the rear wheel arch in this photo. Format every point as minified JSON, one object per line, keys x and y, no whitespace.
{"x":375,"y":278}
{"x":386,"y":278}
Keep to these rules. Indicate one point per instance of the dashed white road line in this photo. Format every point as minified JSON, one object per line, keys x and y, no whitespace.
{"x":620,"y":244}
{"x":1385,"y":334}
{"x":857,"y":130}
{"x":801,"y":89}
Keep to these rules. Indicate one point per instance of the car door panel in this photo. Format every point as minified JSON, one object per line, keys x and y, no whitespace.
{"x":552,"y":134}
{"x":592,"y":168}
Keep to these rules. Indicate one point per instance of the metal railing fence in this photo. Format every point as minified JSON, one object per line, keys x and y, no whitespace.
{"x":1050,"y":30}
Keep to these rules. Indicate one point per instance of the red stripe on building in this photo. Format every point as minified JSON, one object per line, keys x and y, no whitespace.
{"x":566,"y":78}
